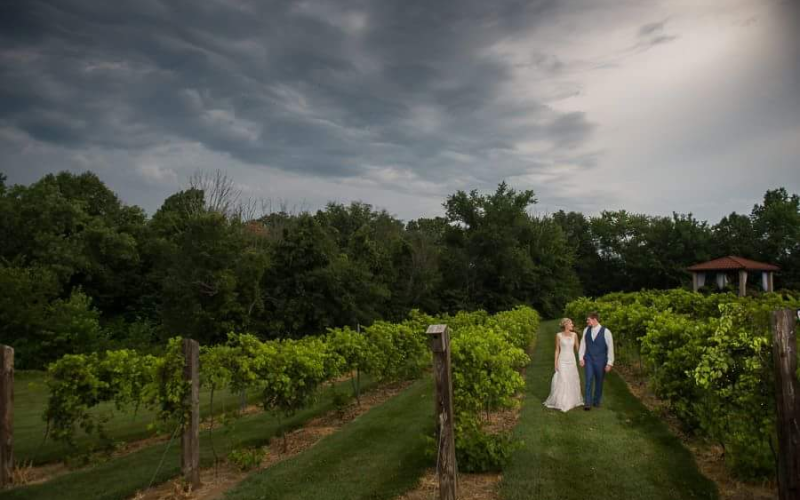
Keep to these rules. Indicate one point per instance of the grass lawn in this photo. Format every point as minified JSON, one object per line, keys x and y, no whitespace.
{"x":120,"y":478}
{"x":379,"y":455}
{"x":30,"y":400}
{"x":620,"y":451}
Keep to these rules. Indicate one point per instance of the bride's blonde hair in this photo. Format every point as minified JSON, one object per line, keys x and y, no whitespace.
{"x":563,"y":322}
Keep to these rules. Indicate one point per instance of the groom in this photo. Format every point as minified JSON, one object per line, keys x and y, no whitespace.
{"x":597,"y":356}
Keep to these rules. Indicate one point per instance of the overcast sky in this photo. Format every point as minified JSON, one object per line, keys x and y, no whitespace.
{"x":648,"y":106}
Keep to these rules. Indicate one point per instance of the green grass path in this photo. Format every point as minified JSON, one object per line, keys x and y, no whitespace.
{"x":620,"y":451}
{"x":379,"y":455}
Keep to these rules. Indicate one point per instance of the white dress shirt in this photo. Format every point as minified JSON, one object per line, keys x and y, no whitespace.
{"x":609,"y":342}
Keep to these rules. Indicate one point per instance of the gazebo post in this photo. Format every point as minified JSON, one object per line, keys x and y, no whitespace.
{"x":770,"y":283}
{"x":742,"y":283}
{"x":694,"y":282}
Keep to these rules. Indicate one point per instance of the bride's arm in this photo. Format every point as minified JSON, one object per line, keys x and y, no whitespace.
{"x":576,"y":343}
{"x":558,"y":351}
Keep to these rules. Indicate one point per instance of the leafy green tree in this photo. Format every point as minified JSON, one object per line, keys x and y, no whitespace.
{"x":637,"y":251}
{"x":206,"y":269}
{"x":497,"y":256}
{"x":674,"y":244}
{"x":554,"y":281}
{"x":296,"y":290}
{"x":577,"y":228}
{"x":620,"y":238}
{"x":44,"y":228}
{"x":425,"y":238}
{"x":776,"y":223}
{"x":77,"y":227}
{"x":734,"y":235}
{"x":25,"y":295}
{"x":73,"y":326}
{"x":40,"y":326}
{"x":311,"y":285}
{"x":374,"y":244}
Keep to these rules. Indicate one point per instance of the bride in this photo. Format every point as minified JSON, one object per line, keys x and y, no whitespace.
{"x":565,"y":389}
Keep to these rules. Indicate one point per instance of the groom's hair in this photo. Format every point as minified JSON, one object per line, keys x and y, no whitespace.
{"x":593,"y":315}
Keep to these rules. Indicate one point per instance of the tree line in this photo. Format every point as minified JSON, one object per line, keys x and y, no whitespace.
{"x":619,"y":251}
{"x":80,"y":270}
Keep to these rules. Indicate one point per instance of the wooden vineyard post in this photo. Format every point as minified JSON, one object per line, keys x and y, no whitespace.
{"x":6,"y":415}
{"x":190,"y":437}
{"x":446,"y":467}
{"x":784,"y":349}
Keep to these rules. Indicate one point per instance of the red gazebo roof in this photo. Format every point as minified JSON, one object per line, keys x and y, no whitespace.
{"x":731,"y":263}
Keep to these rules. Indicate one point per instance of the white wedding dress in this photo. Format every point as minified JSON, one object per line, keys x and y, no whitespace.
{"x":565,"y":389}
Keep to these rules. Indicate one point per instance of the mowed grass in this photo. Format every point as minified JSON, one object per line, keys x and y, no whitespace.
{"x":30,"y":401}
{"x":120,"y":478}
{"x":379,"y":455}
{"x":620,"y":451}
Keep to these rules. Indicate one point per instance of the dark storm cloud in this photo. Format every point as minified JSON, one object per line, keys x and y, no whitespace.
{"x":399,"y":103}
{"x":307,"y":87}
{"x":651,"y":28}
{"x":652,"y":34}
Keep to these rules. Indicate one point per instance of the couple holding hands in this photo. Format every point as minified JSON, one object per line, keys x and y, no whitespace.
{"x":596,"y":356}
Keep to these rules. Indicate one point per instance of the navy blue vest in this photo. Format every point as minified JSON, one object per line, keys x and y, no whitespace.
{"x":597,"y":349}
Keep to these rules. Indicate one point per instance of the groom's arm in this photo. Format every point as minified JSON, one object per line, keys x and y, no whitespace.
{"x":610,"y":344}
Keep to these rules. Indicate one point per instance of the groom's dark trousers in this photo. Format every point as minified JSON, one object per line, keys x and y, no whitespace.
{"x":595,"y":359}
{"x":595,"y":371}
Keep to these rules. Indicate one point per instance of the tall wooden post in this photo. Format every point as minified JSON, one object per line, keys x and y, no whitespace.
{"x":695,"y":282}
{"x":190,"y":438}
{"x":771,"y":281}
{"x":784,"y":349}
{"x":446,"y":467}
{"x":6,"y":415}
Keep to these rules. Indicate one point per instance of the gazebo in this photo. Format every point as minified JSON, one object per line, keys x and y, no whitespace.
{"x":724,"y":265}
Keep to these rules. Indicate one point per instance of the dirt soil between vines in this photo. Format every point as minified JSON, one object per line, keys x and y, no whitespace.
{"x":470,"y":487}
